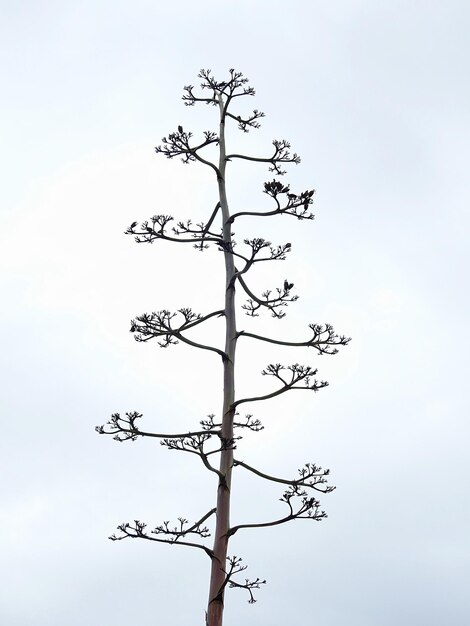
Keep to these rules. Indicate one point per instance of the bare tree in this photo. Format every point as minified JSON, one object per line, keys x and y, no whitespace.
{"x":217,"y":438}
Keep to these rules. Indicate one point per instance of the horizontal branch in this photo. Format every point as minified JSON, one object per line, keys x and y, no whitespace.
{"x":124,"y":429}
{"x":137,"y":532}
{"x":276,"y":522}
{"x":158,"y":324}
{"x":281,"y":155}
{"x":189,"y":544}
{"x":279,"y":392}
{"x":308,"y":508}
{"x":299,"y":373}
{"x":324,"y":339}
{"x":307,"y":472}
{"x":296,"y":205}
{"x":252,"y":424}
{"x":265,"y":397}
{"x":199,"y":238}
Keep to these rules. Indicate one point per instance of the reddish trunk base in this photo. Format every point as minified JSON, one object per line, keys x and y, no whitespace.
{"x":215,"y":613}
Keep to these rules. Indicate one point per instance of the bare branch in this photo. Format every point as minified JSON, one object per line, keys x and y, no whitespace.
{"x":200,"y":237}
{"x":311,"y":476}
{"x":186,"y":443}
{"x":177,"y":144}
{"x":159,"y":324}
{"x":296,"y":205}
{"x":137,"y":531}
{"x":272,"y":304}
{"x":307,"y":508}
{"x":281,"y":155}
{"x":124,"y":429}
{"x":299,"y":374}
{"x":324,"y":339}
{"x":258,"y":244}
{"x":195,"y":445}
{"x":234,"y":87}
{"x":251,"y":424}
{"x":249,"y":585}
{"x":250,"y":122}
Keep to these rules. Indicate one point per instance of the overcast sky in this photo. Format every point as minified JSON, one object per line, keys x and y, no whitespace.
{"x":374,"y":96}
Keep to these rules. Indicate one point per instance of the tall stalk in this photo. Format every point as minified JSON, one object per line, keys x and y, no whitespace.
{"x":217,"y":437}
{"x":218,"y":571}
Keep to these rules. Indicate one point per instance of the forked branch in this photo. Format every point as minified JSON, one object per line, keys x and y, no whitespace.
{"x":248,"y":585}
{"x":200,"y":237}
{"x":300,"y":507}
{"x":298,"y":374}
{"x":274,"y":305}
{"x":235,"y":568}
{"x":293,"y":204}
{"x":159,"y":324}
{"x":311,"y":476}
{"x":324,"y":339}
{"x":280,"y":155}
{"x":124,"y":428}
{"x":173,"y":536}
{"x":177,"y":144}
{"x":195,"y":445}
{"x":250,"y":423}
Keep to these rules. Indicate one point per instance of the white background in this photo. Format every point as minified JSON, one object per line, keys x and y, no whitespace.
{"x":374,"y":96}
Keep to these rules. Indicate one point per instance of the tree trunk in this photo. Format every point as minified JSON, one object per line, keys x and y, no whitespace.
{"x":219,"y":559}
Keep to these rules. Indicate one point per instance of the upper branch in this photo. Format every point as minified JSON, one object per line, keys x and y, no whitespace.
{"x":249,"y":122}
{"x":157,"y":230}
{"x":177,"y":144}
{"x":293,"y":204}
{"x":159,"y":324}
{"x":324,"y":339}
{"x":272,"y":304}
{"x":280,"y":155}
{"x":234,"y":87}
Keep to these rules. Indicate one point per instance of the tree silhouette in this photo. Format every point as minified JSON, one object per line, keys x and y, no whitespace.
{"x":216,"y":439}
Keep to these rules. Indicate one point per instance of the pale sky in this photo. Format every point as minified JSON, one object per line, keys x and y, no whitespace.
{"x":374,"y":96}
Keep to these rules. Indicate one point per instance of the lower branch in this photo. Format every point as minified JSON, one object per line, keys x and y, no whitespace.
{"x":324,"y":339}
{"x":308,"y":508}
{"x":124,"y":429}
{"x":173,"y":535}
{"x":235,"y":567}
